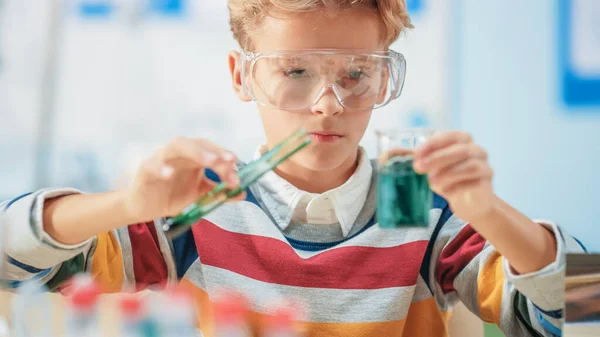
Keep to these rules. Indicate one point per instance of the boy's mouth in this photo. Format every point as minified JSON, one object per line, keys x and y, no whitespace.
{"x":325,"y":137}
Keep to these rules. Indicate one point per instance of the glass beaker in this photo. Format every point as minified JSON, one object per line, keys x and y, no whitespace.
{"x":404,"y":197}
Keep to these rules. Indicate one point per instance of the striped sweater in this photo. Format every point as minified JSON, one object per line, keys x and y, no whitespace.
{"x":375,"y":282}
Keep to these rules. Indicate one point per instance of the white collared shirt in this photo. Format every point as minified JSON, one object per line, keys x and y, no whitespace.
{"x":339,"y":205}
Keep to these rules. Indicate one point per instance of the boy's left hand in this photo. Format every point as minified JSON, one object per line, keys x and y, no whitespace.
{"x":458,"y":170}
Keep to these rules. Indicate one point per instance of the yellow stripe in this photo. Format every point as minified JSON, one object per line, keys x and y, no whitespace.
{"x":368,"y":329}
{"x":107,"y":263}
{"x":204,"y":306}
{"x":424,"y":319}
{"x":489,"y":289}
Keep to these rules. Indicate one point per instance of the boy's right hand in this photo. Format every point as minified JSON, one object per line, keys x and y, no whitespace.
{"x":174,"y":178}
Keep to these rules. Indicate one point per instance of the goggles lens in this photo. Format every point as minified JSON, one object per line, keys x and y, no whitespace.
{"x":297,"y":80}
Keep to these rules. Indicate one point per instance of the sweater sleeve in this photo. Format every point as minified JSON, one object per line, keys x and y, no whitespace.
{"x":464,"y":267}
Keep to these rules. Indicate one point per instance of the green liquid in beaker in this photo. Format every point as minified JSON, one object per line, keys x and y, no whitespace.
{"x":403,"y":196}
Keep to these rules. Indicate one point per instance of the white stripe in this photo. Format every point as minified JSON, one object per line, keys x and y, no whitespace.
{"x":450,"y":229}
{"x":15,"y":273}
{"x":322,"y":305}
{"x":466,"y":282}
{"x":247,"y":218}
{"x":571,"y":245}
{"x":89,"y":258}
{"x":165,"y":250}
{"x":26,"y":246}
{"x":122,"y":235}
{"x":509,"y":323}
{"x":50,"y":275}
{"x":535,"y":322}
{"x":42,"y":280}
{"x":37,"y":216}
{"x":422,"y":292}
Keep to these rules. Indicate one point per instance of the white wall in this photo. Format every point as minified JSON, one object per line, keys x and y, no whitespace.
{"x":546,"y":155}
{"x":142,"y":82}
{"x":128,"y":83}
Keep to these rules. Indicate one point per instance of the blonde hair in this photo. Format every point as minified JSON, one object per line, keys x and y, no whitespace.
{"x":246,"y":14}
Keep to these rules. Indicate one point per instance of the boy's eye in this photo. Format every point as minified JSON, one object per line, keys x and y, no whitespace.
{"x":355,"y":74}
{"x":294,"y":73}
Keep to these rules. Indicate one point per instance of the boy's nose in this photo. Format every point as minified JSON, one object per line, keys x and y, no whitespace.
{"x":327,"y":103}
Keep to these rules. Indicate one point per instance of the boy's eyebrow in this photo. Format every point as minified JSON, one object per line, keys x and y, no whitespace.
{"x":292,"y":60}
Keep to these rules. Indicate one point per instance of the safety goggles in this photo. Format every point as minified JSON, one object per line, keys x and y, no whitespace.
{"x":294,"y":80}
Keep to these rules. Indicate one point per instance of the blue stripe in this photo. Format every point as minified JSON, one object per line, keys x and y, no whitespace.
{"x":24,"y":266}
{"x":13,"y":284}
{"x":251,"y":198}
{"x":558,"y":314}
{"x":549,"y":327}
{"x":185,"y":252}
{"x":581,"y":244}
{"x":15,"y":200}
{"x":318,"y":246}
{"x":438,"y":203}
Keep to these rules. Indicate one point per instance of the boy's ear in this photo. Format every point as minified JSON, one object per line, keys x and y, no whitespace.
{"x":235,"y":67}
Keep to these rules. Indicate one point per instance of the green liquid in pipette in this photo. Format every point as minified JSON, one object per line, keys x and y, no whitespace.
{"x":247,"y":174}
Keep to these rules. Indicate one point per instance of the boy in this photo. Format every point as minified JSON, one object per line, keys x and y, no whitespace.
{"x":307,"y":229}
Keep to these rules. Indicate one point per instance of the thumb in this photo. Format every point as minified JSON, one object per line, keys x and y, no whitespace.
{"x":204,"y":185}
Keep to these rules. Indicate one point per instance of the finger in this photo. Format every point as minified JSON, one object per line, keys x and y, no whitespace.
{"x":239,"y":197}
{"x":466,"y":185}
{"x":205,"y":186}
{"x":226,"y":166}
{"x":441,"y":140}
{"x":449,"y":156}
{"x":171,"y":170}
{"x":397,"y":152}
{"x":224,"y":155}
{"x":185,"y":152}
{"x":469,"y":170}
{"x":227,"y":173}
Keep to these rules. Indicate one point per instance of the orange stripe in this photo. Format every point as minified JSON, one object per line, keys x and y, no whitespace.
{"x":107,"y":263}
{"x":424,"y":319}
{"x":204,"y":306}
{"x":489,"y":289}
{"x":368,"y":329}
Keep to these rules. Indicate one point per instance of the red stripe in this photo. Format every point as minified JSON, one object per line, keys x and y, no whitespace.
{"x":457,"y":254}
{"x":149,"y":266}
{"x":275,"y":261}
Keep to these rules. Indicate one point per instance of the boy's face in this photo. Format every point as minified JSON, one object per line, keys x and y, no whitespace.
{"x":336,"y":130}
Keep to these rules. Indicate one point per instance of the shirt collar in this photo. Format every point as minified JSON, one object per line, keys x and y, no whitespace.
{"x":287,"y":203}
